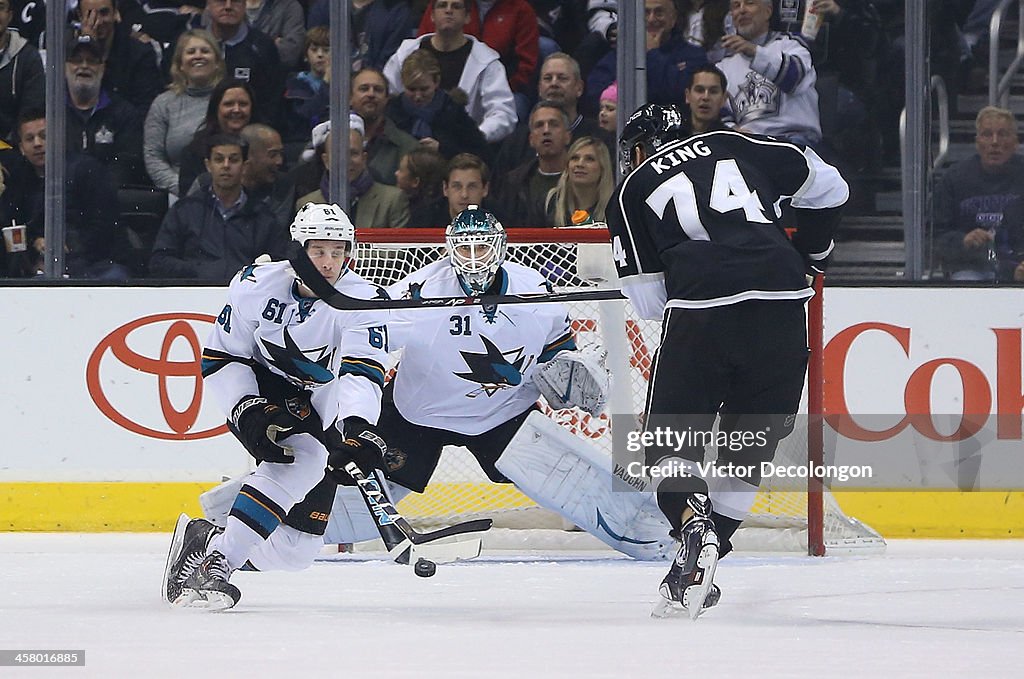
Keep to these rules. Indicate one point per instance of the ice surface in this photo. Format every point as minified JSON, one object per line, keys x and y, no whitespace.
{"x":924,"y":609}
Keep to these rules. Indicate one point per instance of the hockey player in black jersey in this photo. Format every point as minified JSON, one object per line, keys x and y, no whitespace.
{"x":698,"y":242}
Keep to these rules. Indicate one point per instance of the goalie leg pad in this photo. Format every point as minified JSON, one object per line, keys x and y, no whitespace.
{"x":351,"y":520}
{"x":217,"y":501}
{"x":560,"y":472}
{"x":575,"y":379}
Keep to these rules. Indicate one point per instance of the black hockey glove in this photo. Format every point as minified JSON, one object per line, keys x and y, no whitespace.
{"x":816,"y":267}
{"x":261,"y":426}
{"x":362,"y":444}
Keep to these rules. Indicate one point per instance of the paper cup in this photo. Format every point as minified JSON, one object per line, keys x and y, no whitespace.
{"x":14,"y":238}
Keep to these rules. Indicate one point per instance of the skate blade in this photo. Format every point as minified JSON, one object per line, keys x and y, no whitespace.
{"x":204,"y":601}
{"x":187,"y":599}
{"x":218,"y":601}
{"x":177,"y":542}
{"x":707,"y":561}
{"x":666,"y":608}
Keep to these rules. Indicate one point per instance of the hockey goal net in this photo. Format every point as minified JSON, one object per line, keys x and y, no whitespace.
{"x":574,"y":259}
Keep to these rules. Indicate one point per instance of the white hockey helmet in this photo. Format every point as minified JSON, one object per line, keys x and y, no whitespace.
{"x":323,"y":221}
{"x":477,"y":244}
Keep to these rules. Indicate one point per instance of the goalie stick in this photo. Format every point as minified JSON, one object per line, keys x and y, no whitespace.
{"x":403,"y":542}
{"x":331,"y":296}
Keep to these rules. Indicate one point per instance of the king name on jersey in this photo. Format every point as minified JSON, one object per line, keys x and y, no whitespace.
{"x":677,"y":157}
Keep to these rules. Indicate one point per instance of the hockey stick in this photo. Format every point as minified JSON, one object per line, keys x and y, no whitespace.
{"x":346,"y":303}
{"x":315,"y":282}
{"x":402,"y":541}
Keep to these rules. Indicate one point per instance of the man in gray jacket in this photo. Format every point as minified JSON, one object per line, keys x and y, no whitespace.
{"x":284,"y":22}
{"x":22,"y":83}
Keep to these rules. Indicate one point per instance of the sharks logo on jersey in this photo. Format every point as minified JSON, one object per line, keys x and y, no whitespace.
{"x":308,"y":368}
{"x":494,"y":370}
{"x":415,"y":291}
{"x":247,"y":273}
{"x":490,"y":313}
{"x":305,"y":307}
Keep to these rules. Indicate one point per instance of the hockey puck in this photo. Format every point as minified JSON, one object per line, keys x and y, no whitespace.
{"x":424,"y":568}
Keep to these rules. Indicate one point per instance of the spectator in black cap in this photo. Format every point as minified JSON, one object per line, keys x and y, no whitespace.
{"x":131,"y":66}
{"x":100,"y":124}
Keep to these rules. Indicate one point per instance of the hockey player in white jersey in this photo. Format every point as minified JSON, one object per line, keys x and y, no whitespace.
{"x":301,"y":385}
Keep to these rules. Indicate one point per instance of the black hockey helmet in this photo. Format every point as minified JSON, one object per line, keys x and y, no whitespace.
{"x":651,"y":126}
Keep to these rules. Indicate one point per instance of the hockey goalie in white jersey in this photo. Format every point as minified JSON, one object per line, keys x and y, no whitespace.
{"x":471,"y":376}
{"x":301,"y":385}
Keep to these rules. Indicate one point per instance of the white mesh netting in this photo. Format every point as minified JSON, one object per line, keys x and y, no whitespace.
{"x":575,"y":259}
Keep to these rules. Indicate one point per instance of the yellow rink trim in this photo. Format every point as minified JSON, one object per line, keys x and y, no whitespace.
{"x":146,"y":507}
{"x":466,"y":497}
{"x":97,"y":507}
{"x":947,"y":514}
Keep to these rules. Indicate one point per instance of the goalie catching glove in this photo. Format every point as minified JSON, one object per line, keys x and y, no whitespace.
{"x":261,"y":426}
{"x":575,"y":379}
{"x":361,"y":444}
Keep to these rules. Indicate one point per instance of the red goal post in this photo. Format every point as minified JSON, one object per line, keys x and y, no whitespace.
{"x":578,"y":259}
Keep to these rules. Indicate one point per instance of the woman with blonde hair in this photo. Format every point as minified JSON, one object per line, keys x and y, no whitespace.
{"x":586,"y":185}
{"x":175,"y":115}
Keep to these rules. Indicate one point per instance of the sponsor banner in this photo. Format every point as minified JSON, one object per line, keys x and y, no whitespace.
{"x":922,"y":391}
{"x":103,"y":384}
{"x":926,"y":384}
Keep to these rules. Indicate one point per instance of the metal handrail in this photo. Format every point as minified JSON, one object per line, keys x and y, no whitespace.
{"x":999,"y":88}
{"x":936,"y":86}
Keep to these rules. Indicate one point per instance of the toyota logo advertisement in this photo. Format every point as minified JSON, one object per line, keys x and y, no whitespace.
{"x":104,"y":384}
{"x":168,"y":351}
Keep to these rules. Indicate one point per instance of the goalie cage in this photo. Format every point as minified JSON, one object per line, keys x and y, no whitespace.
{"x":579,"y":258}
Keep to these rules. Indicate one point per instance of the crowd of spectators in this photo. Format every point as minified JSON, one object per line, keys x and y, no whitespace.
{"x":218,"y":107}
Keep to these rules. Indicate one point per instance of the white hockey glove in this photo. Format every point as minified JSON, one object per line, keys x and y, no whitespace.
{"x":575,"y":379}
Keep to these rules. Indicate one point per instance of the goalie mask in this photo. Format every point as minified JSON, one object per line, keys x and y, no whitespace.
{"x":322,"y":221}
{"x":650,"y":127}
{"x":476,"y":243}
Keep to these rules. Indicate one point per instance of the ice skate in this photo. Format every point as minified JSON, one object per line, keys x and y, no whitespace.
{"x":208,"y":587}
{"x":188,"y":548}
{"x":689,"y":586}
